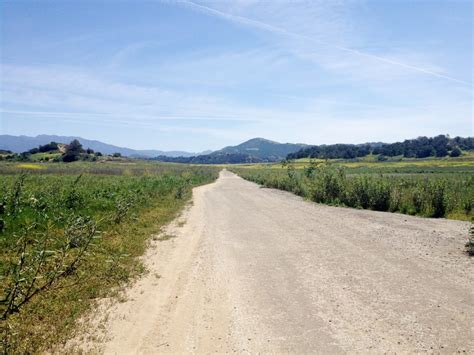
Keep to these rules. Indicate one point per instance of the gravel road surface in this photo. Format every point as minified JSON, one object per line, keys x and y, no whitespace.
{"x":260,"y":270}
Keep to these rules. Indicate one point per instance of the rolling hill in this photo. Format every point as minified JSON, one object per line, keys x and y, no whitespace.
{"x":263,"y":149}
{"x":256,"y":150}
{"x":19,"y":144}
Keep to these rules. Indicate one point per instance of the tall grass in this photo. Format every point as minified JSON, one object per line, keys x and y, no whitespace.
{"x":432,"y":195}
{"x":68,"y":239}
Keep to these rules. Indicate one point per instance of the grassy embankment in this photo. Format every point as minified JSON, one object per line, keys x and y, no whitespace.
{"x":429,"y":187}
{"x":67,"y":239}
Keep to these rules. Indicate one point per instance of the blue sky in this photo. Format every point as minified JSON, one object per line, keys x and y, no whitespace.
{"x":205,"y":74}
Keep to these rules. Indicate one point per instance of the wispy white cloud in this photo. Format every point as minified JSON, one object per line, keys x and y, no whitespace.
{"x":84,"y":98}
{"x":318,"y":41}
{"x":76,"y":94}
{"x":80,"y":92}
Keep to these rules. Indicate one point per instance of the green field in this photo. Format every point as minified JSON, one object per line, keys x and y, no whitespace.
{"x":395,"y":165}
{"x":428,"y":187}
{"x":71,"y":233}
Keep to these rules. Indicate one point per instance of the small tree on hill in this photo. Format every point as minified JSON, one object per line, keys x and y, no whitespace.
{"x":50,"y":147}
{"x":73,"y":151}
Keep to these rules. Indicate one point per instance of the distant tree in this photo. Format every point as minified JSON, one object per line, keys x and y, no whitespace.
{"x":89,"y":151}
{"x":464,"y":143}
{"x":363,"y":150}
{"x":425,"y":151}
{"x":69,"y":157}
{"x":117,"y":155}
{"x":441,"y":151}
{"x":440,"y":144}
{"x":455,"y":152}
{"x":98,"y":154}
{"x":73,"y":151}
{"x":25,"y":156}
{"x":33,"y":151}
{"x":227,"y":158}
{"x":48,"y":147}
{"x":11,"y":157}
{"x":349,"y":154}
{"x":409,"y":153}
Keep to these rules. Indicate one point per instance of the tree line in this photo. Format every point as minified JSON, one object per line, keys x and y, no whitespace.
{"x":224,"y":158}
{"x":421,"y":147}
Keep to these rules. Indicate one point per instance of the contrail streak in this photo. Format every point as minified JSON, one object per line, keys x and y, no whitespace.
{"x":274,"y":29}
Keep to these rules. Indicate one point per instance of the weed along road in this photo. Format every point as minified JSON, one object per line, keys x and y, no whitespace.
{"x":249,"y":269}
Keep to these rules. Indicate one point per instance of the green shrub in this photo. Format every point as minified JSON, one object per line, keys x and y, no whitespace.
{"x":418,"y":201}
{"x":328,"y":185}
{"x":380,"y":195}
{"x":467,"y":205}
{"x":360,"y":192}
{"x":433,"y":195}
{"x":437,"y":199}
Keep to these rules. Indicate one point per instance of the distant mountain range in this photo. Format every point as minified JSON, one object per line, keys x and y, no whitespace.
{"x":19,"y":144}
{"x":252,"y":151}
{"x":260,"y":150}
{"x":255,"y":150}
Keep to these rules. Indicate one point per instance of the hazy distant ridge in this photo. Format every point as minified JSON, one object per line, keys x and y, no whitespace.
{"x":19,"y":144}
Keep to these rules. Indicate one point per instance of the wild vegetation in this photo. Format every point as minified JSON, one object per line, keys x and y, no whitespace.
{"x":70,"y":233}
{"x":56,"y":152}
{"x":436,"y":195}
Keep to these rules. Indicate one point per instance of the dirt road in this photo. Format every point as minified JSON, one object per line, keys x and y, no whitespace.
{"x":261,"y":270}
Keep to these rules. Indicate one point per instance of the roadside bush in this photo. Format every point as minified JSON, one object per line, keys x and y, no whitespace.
{"x":359,"y":195}
{"x":437,"y":199}
{"x":38,"y":260}
{"x":327,"y":185}
{"x":416,"y":194}
{"x":396,"y":195}
{"x":380,"y":195}
{"x":418,"y":201}
{"x":468,"y":205}
{"x":294,"y":182}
